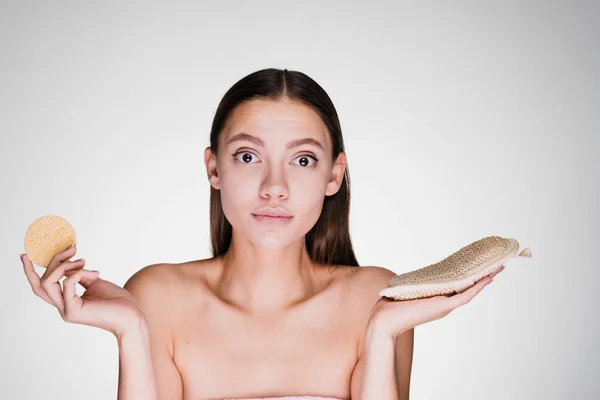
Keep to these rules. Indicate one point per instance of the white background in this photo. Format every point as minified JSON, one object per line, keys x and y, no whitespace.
{"x":461,"y":120}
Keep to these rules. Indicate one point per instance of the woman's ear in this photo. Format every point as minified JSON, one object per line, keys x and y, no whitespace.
{"x":210,"y":160}
{"x":337,"y":175}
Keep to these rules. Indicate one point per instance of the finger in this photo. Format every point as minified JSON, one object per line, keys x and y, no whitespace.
{"x":496,"y":272}
{"x":460,"y":299}
{"x":85,"y":281}
{"x":34,"y":280}
{"x":52,"y":285}
{"x":73,"y":303}
{"x":61,"y":257}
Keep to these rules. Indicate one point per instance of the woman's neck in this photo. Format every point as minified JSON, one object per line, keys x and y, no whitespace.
{"x":260,"y":280}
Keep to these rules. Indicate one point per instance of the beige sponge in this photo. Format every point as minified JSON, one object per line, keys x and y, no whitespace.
{"x":455,"y":273}
{"x":47,"y":236}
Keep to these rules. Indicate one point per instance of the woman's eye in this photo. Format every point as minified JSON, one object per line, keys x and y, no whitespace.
{"x":246,"y":157}
{"x":305,"y":160}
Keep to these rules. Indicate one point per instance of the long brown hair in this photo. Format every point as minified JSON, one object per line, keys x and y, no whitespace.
{"x":328,"y":241}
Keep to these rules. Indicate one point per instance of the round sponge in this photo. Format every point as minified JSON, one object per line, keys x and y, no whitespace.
{"x":47,"y":236}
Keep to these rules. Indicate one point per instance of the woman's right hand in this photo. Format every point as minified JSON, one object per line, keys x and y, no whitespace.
{"x":103,"y":304}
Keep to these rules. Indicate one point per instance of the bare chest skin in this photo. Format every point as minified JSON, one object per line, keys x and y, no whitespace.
{"x":310,"y":349}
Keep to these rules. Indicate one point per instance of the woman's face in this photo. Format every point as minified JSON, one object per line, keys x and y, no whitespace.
{"x":274,"y":155}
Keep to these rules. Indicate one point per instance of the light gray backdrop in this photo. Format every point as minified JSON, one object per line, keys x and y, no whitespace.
{"x":461,"y":120}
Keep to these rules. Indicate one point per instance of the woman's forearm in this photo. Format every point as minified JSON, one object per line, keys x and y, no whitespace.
{"x":136,"y":374}
{"x":379,"y":376}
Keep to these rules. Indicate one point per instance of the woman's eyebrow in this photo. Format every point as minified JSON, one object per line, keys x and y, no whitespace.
{"x":261,"y":143}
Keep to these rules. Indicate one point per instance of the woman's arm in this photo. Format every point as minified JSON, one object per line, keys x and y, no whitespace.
{"x":388,"y":325}
{"x":136,"y":375}
{"x":384,"y":365}
{"x":404,"y":360}
{"x":146,"y":366}
{"x":374,"y":376}
{"x":377,"y":375}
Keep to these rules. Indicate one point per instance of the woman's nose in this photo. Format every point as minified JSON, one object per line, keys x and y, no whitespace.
{"x":274,"y":185}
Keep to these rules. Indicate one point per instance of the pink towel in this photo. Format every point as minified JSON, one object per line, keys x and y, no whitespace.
{"x":289,"y":398}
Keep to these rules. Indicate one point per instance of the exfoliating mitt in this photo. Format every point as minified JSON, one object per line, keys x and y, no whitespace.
{"x":457,"y":272}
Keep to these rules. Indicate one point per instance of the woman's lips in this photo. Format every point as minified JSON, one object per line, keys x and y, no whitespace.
{"x":265,"y":219}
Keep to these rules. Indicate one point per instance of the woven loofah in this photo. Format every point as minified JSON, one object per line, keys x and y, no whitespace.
{"x":455,"y":273}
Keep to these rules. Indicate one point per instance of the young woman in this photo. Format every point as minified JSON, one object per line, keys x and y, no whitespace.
{"x":282,"y":308}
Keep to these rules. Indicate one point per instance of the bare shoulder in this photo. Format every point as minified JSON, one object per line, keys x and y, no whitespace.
{"x":150,"y":279}
{"x":371,"y":279}
{"x":375,"y":272}
{"x":151,"y":286}
{"x":164,"y":284}
{"x":159,"y":290}
{"x":367,"y":282}
{"x":365,"y":285}
{"x":163,"y":277}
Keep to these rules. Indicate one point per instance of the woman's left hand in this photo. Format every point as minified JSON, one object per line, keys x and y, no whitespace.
{"x":392,"y":317}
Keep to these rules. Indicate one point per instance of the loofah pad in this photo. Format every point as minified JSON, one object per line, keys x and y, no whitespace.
{"x":47,"y":236}
{"x":457,"y":272}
